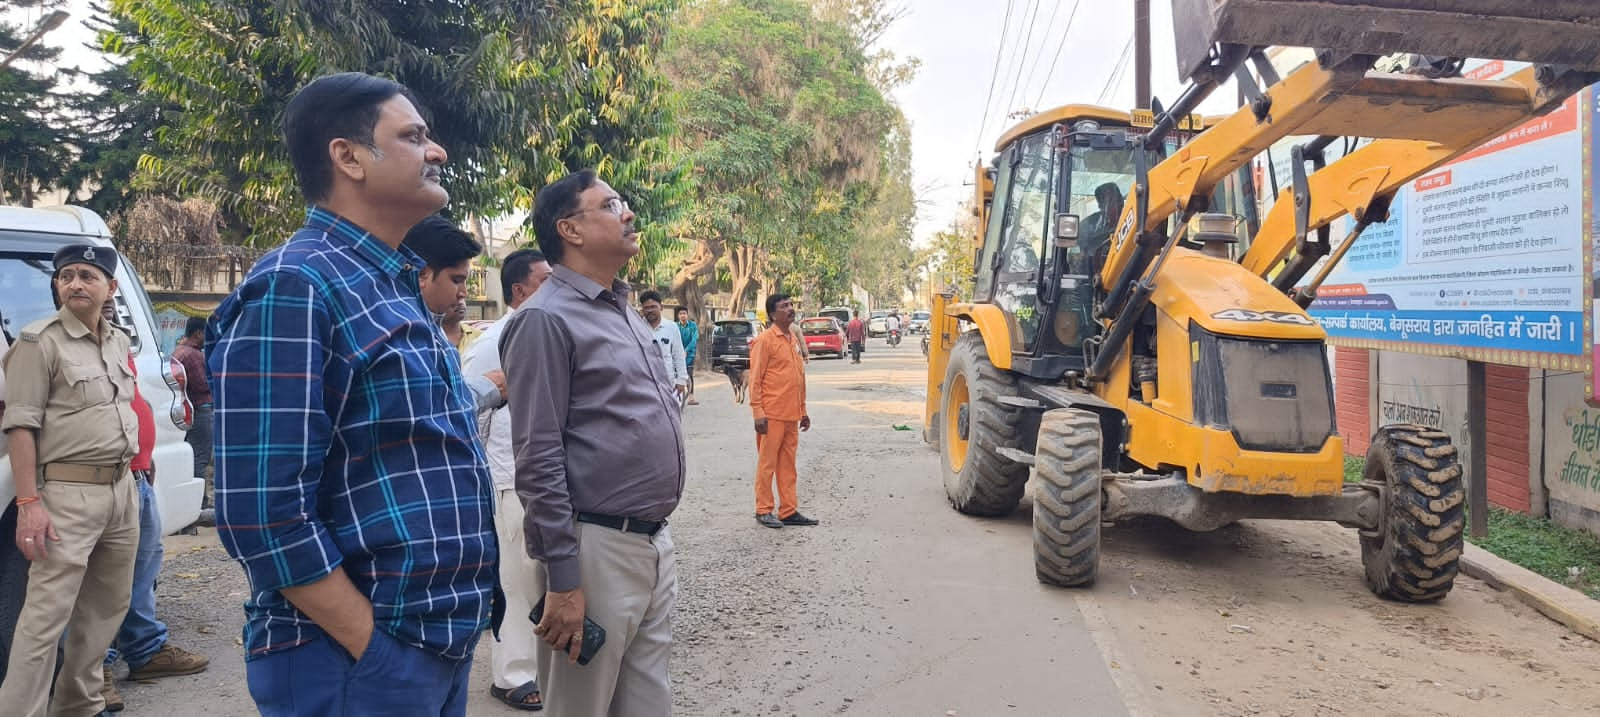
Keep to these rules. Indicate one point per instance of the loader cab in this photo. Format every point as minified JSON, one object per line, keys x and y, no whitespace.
{"x":1056,"y":190}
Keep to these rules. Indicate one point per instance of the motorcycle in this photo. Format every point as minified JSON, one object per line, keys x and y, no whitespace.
{"x":925,"y":338}
{"x":894,"y":337}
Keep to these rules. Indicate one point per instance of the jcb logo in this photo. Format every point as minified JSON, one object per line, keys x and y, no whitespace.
{"x":1278,"y":317}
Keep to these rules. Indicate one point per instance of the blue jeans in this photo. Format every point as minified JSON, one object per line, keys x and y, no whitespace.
{"x":391,"y":678}
{"x":199,"y":438}
{"x":142,"y":635}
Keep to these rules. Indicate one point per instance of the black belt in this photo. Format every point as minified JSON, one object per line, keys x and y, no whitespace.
{"x":627,"y":525}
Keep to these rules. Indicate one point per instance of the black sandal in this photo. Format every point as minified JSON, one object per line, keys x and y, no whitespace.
{"x":517,"y":697}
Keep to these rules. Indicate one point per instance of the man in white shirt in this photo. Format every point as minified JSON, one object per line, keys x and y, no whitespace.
{"x":669,"y":341}
{"x":513,"y":659}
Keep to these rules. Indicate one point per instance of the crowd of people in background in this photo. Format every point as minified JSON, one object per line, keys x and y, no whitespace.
{"x":393,"y":480}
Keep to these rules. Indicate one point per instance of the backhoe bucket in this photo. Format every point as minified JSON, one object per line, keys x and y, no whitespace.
{"x":1558,"y":32}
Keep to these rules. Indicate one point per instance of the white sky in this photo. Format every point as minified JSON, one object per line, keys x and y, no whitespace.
{"x":956,"y":40}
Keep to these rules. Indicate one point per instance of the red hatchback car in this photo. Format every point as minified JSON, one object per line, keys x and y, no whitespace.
{"x":824,"y":335}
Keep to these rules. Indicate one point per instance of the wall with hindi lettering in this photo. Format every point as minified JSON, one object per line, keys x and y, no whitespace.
{"x":1432,"y":391}
{"x":1571,"y":452}
{"x":1427,"y":390}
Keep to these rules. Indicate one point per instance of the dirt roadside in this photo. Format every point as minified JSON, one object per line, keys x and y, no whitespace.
{"x":896,"y":605}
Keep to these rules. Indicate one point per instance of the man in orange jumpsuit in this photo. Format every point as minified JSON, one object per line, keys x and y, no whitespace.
{"x":778,"y":400}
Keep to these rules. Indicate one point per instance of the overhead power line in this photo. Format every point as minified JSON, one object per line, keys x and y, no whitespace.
{"x":1059,"y":47}
{"x":1116,"y":72}
{"x":1005,"y":26}
{"x":1055,"y":9}
{"x":1022,"y":60}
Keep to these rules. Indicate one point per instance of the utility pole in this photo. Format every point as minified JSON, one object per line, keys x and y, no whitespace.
{"x":48,"y":23}
{"x":1141,"y":54}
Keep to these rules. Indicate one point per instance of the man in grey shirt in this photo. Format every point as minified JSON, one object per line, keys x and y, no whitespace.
{"x":599,"y":458}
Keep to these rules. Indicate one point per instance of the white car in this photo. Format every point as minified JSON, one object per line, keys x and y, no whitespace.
{"x":878,"y":323}
{"x":29,"y":239}
{"x":919,"y":322}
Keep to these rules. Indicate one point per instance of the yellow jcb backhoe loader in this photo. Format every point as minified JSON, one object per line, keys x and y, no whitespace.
{"x":1142,"y":353}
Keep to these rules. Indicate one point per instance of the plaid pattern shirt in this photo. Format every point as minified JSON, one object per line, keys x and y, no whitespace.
{"x":345,"y":435}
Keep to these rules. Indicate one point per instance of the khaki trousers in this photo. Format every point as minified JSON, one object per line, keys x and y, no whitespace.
{"x":86,"y":582}
{"x":630,"y":585}
{"x":513,"y":659}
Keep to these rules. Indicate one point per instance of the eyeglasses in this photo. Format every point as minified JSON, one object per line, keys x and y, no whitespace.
{"x":615,"y":205}
{"x":87,"y":276}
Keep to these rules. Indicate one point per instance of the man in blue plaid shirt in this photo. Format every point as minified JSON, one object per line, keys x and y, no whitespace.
{"x":350,"y":482}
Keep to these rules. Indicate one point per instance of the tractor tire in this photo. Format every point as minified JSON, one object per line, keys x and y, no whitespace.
{"x":973,"y":425}
{"x":1413,"y":555}
{"x":1067,"y":498}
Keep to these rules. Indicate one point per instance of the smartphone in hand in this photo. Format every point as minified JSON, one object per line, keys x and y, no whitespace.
{"x":593,"y":635}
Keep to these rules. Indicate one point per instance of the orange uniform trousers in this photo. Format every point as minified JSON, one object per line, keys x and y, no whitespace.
{"x":776,"y":450}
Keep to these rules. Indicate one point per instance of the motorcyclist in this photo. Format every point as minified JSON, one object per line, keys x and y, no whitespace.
{"x":892,"y":323}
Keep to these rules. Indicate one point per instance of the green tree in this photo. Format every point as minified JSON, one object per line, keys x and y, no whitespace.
{"x":618,"y":118}
{"x":785,"y":131}
{"x":117,"y":123}
{"x":881,"y":259}
{"x":36,"y":139}
{"x":951,"y":256}
{"x":519,"y":92}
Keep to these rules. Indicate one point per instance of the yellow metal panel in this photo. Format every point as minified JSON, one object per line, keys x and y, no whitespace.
{"x":1224,"y":466}
{"x":1147,"y":118}
{"x":943,"y":330}
{"x":1174,"y":389}
{"x":1348,"y":185}
{"x":1227,"y":145}
{"x":991,"y":322}
{"x":1225,"y":298}
{"x":1066,"y":114}
{"x":1215,"y":462}
{"x":1394,"y":106}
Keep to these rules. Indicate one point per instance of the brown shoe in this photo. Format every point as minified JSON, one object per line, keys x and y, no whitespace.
{"x":108,"y":692}
{"x":169,"y":662}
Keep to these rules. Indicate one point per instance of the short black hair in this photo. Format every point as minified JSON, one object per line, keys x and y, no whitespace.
{"x":195,"y":323}
{"x":680,"y":310}
{"x":556,"y":201}
{"x":515,"y":269}
{"x":651,"y":295}
{"x":773,"y":301}
{"x":441,"y":243}
{"x":341,"y":106}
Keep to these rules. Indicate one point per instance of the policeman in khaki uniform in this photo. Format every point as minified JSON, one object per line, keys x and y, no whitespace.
{"x":69,"y":422}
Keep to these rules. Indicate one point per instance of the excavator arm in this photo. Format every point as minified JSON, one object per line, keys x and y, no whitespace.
{"x":1444,"y":120}
{"x":1418,"y":123}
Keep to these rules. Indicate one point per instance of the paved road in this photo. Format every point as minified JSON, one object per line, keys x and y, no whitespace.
{"x":897,"y":605}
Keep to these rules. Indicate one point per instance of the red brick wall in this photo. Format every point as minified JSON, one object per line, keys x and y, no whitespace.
{"x":1507,"y":398}
{"x":1351,"y":380}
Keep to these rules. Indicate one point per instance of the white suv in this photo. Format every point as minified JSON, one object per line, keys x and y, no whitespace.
{"x":29,"y":239}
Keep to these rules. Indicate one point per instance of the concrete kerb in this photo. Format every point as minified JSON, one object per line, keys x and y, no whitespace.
{"x":1558,"y":602}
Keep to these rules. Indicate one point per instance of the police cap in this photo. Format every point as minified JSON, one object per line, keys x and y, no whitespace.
{"x":103,"y":258}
